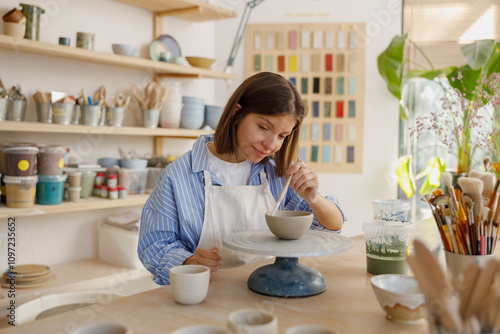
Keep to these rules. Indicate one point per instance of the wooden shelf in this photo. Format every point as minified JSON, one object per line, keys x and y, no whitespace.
{"x":55,"y":50}
{"x":93,"y":203}
{"x":191,"y":10}
{"x":84,"y":275}
{"x":13,"y":126}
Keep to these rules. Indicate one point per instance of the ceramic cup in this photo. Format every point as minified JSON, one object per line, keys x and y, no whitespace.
{"x":202,"y":329}
{"x":457,"y":263}
{"x":64,"y":41}
{"x":252,"y":321}
{"x":310,"y":329}
{"x":189,"y":283}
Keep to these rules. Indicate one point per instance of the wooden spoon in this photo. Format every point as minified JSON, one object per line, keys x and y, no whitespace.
{"x":481,"y":287}
{"x":466,"y":285}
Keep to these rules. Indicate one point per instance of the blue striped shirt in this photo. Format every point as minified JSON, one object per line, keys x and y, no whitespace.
{"x":172,"y":217}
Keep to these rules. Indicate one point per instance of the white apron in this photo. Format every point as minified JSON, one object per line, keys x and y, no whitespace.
{"x":230,"y":209}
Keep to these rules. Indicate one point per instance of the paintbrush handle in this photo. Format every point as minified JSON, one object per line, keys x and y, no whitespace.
{"x":282,"y":194}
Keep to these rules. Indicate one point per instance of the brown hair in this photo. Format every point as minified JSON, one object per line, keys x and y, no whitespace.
{"x":264,"y":93}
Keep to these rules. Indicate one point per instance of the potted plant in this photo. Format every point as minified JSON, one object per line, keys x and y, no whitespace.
{"x":466,"y":89}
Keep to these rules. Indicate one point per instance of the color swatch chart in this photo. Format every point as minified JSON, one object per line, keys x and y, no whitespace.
{"x":326,"y":62}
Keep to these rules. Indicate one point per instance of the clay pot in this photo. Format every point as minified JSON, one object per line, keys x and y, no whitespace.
{"x":14,"y":16}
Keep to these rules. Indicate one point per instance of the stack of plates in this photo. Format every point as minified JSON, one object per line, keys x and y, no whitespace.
{"x":27,"y":276}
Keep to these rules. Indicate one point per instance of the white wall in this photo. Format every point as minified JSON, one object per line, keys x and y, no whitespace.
{"x":60,"y":238}
{"x":383,"y":21}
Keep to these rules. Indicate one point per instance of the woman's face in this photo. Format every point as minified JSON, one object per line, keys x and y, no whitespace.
{"x":259,"y":136}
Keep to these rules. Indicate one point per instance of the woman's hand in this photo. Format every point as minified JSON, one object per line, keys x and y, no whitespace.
{"x":304,"y":181}
{"x":209,"y":258}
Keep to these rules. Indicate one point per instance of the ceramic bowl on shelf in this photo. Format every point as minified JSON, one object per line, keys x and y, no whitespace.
{"x":134,"y":163}
{"x":200,"y":61}
{"x":212,"y":115}
{"x":289,"y":225}
{"x":400,"y":297}
{"x":108,"y":162}
{"x":124,"y":50}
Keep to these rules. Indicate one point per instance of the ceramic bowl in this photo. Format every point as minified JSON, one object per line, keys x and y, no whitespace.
{"x":124,"y":50}
{"x":108,"y":162}
{"x":192,"y":100}
{"x":289,"y":225}
{"x":200,"y":61}
{"x":192,"y":119}
{"x":400,"y":297}
{"x":212,"y":115}
{"x":134,"y":163}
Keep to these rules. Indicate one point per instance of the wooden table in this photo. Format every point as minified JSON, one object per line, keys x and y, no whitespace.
{"x":348,"y":304}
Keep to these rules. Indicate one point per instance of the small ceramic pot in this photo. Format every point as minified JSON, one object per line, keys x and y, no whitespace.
{"x":14,"y":29}
{"x":14,"y":15}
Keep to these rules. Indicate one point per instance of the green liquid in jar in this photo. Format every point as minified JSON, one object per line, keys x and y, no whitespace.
{"x":386,"y":265}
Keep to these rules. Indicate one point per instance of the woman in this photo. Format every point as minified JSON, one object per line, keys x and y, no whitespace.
{"x":227,"y":182}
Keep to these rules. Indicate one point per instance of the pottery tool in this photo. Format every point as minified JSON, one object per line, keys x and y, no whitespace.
{"x":438,"y":290}
{"x":85,"y":98}
{"x":447,"y":179}
{"x":481,"y":287}
{"x":282,"y":194}
{"x":474,"y":188}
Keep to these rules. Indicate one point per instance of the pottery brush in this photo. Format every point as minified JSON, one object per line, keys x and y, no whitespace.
{"x":488,"y":184}
{"x":438,"y":219}
{"x":474,"y":188}
{"x":447,"y":179}
{"x":282,"y":194}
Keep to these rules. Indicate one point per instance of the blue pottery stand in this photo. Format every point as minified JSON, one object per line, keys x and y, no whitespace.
{"x":286,"y":277}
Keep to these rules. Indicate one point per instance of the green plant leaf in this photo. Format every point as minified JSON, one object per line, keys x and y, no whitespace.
{"x":434,"y":169}
{"x":493,"y":64}
{"x":429,"y":74}
{"x":478,"y":53}
{"x":469,"y":81}
{"x":404,"y":175}
{"x":390,"y":64}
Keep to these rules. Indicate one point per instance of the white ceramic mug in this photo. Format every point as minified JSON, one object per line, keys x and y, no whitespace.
{"x":202,"y":329}
{"x":310,"y":329}
{"x":189,"y":283}
{"x":252,"y":321}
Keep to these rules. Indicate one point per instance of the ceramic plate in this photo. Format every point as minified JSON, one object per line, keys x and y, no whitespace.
{"x":171,"y":44}
{"x":155,"y":48}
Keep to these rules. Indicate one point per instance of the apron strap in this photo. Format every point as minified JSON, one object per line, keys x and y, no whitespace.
{"x":208,"y":178}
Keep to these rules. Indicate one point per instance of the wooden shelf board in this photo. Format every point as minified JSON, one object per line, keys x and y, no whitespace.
{"x":191,"y":10}
{"x":93,"y":203}
{"x":55,"y":50}
{"x":80,"y":275}
{"x":13,"y":126}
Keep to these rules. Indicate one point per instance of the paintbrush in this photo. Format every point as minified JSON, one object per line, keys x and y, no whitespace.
{"x":447,"y":179}
{"x":474,"y":188}
{"x":282,"y":194}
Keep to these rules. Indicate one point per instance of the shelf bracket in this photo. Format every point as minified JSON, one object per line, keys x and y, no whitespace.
{"x":157,"y":18}
{"x":158,"y":146}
